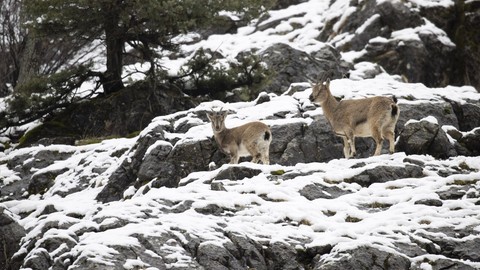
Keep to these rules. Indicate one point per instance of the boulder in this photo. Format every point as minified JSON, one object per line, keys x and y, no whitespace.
{"x":382,"y":174}
{"x":10,"y":235}
{"x":444,"y":112}
{"x":468,"y":115}
{"x":237,"y":173}
{"x":471,"y":143}
{"x":316,"y":191}
{"x":425,"y":137}
{"x":149,"y":168}
{"x":126,"y":174}
{"x":363,"y":257}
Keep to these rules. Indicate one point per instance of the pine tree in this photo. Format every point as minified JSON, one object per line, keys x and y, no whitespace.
{"x":143,"y":24}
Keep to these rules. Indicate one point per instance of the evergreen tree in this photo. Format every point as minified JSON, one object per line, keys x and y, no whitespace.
{"x":144,"y":24}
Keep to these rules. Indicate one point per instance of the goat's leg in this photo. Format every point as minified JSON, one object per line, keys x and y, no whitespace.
{"x":266,"y":158}
{"x":351,"y":141}
{"x":252,"y":148}
{"x":256,"y":158}
{"x":263,"y":155}
{"x":377,"y":136}
{"x":234,"y":157}
{"x":346,"y":147}
{"x":391,"y":140}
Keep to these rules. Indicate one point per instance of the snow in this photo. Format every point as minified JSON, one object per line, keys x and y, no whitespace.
{"x":262,"y":207}
{"x":430,"y":119}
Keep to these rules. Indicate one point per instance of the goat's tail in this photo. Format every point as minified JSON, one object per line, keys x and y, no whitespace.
{"x":394,"y":106}
{"x":394,"y":110}
{"x":267,"y":135}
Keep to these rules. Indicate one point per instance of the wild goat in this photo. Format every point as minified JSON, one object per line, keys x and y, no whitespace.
{"x":369,"y":117}
{"x":251,"y":139}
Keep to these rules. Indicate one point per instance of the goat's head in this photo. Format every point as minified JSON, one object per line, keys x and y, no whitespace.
{"x":320,"y":91}
{"x":217,"y":119}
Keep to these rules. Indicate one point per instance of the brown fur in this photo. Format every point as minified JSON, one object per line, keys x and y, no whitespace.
{"x":369,"y":117}
{"x":251,"y":139}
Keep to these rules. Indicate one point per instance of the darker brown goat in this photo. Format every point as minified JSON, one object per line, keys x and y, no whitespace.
{"x":251,"y":139}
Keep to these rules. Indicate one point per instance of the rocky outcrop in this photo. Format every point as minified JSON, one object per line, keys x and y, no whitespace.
{"x":127,"y":173}
{"x":425,"y":137}
{"x":394,"y":35}
{"x":128,"y":111}
{"x":291,"y":65}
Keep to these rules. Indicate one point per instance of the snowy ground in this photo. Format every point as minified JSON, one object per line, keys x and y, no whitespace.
{"x":265,"y":207}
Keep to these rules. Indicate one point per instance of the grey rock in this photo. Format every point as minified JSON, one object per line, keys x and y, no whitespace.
{"x":127,"y":172}
{"x":364,"y":257}
{"x":428,"y":59}
{"x":237,"y":173}
{"x":382,"y":174}
{"x":414,"y":161}
{"x":292,"y":65}
{"x":396,"y":15}
{"x":430,"y":202}
{"x":444,"y":113}
{"x":40,"y":259}
{"x":315,"y":191}
{"x":468,"y":115}
{"x":282,"y":256}
{"x":453,"y":192}
{"x":425,"y":138}
{"x":150,"y":168}
{"x":25,"y":165}
{"x":218,"y":186}
{"x":441,"y":263}
{"x":250,"y":251}
{"x":212,"y":256}
{"x":220,"y":25}
{"x":454,"y":243}
{"x":471,"y":143}
{"x":10,"y":235}
{"x":41,"y":182}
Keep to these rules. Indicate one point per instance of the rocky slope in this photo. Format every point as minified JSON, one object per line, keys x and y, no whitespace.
{"x":164,"y":199}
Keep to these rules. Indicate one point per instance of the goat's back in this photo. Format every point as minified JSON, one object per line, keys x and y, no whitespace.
{"x":367,"y":111}
{"x":252,"y":131}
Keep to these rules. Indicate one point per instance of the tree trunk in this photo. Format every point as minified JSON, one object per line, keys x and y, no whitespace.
{"x":30,"y":59}
{"x":112,"y":80}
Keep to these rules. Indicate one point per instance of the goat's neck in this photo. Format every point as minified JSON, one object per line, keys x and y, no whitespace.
{"x":329,"y":105}
{"x":221,"y":135}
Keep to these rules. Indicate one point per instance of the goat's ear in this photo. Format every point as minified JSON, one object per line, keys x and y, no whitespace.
{"x":327,"y":82}
{"x":210,"y":115}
